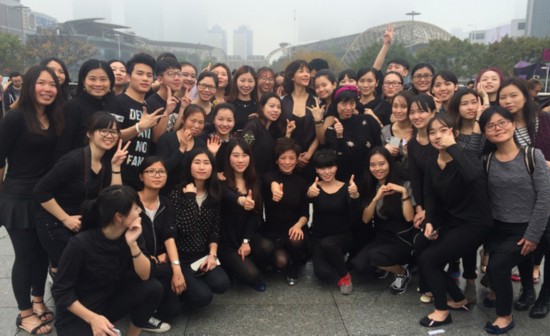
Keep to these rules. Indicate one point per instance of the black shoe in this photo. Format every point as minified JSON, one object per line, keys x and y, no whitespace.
{"x":496,"y":330}
{"x":428,"y":322}
{"x":526,"y":299}
{"x":542,"y":305}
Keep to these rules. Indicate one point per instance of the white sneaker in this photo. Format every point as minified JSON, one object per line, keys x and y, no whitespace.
{"x":401,"y":282}
{"x":154,"y":325}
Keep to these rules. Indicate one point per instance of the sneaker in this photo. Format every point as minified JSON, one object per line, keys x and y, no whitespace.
{"x":346,"y":287}
{"x":154,"y":325}
{"x":515,"y":275}
{"x":401,"y":282}
{"x":291,"y":281}
{"x":426,"y":298}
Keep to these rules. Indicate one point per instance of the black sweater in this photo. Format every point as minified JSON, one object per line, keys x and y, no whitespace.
{"x":457,"y":194}
{"x":236,"y":222}
{"x":262,"y":142}
{"x":243,"y":111}
{"x":419,"y":155}
{"x":304,"y":134}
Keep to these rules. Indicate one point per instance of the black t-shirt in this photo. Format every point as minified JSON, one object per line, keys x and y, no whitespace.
{"x":129,"y":113}
{"x":243,"y":110}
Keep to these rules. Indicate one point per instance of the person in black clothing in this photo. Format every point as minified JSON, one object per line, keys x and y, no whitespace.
{"x":135,"y":119}
{"x":243,"y":96}
{"x":347,"y":77}
{"x":12,"y":92}
{"x":242,"y":249}
{"x":458,"y":217}
{"x":158,"y":239}
{"x":261,"y":133}
{"x":196,"y":202}
{"x":62,"y":72}
{"x":223,"y":76}
{"x":335,"y":204}
{"x":352,"y":135}
{"x":324,"y":85}
{"x":173,"y":146}
{"x":27,"y":139}
{"x":77,"y":176}
{"x":286,"y":209}
{"x":93,"y":94}
{"x":444,"y":85}
{"x":369,"y":101}
{"x":392,"y":84}
{"x":223,"y":119}
{"x":103,"y":274}
{"x":389,"y":207}
{"x":119,"y":70}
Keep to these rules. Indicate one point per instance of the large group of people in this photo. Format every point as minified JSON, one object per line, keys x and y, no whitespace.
{"x":154,"y":184}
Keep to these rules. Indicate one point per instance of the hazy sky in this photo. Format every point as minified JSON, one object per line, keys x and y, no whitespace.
{"x":273,"y":21}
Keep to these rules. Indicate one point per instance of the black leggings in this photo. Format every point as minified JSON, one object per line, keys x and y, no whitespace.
{"x":382,"y":252}
{"x":54,"y":237}
{"x":432,"y":256}
{"x":200,"y":289}
{"x":139,"y":298}
{"x":295,"y":250}
{"x":504,"y":254}
{"x":328,"y":256}
{"x":247,"y":270}
{"x":30,"y":267}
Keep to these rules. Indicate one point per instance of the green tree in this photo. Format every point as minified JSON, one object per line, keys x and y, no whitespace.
{"x":397,"y":50}
{"x":10,"y":53}
{"x":505,"y":53}
{"x":72,"y":50}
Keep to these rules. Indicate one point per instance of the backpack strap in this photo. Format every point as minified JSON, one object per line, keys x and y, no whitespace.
{"x":487,"y":161}
{"x":529,"y":159}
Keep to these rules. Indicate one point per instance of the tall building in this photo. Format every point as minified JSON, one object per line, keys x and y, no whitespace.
{"x":242,"y":42}
{"x":217,"y":37}
{"x":538,"y":18}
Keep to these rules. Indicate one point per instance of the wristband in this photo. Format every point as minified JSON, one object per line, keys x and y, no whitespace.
{"x":406,"y":198}
{"x":137,"y":128}
{"x":137,"y":255}
{"x":175,"y":262}
{"x":115,"y":172}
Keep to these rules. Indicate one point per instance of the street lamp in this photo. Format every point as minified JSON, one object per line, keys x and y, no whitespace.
{"x":118,"y":40}
{"x":546,"y":80}
{"x":412,"y":14}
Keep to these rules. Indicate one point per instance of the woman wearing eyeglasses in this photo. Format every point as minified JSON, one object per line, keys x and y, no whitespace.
{"x":422,"y":75}
{"x":76,"y":177}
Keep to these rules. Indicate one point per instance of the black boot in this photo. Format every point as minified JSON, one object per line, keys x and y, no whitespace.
{"x":526,"y":299}
{"x":542,"y":305}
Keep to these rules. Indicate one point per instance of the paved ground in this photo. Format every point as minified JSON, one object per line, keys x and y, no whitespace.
{"x":309,"y":308}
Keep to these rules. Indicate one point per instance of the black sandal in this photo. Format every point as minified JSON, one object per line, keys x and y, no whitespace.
{"x":46,"y":315}
{"x":19,"y":324}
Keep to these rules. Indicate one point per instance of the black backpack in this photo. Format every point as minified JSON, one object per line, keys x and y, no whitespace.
{"x":528,"y":159}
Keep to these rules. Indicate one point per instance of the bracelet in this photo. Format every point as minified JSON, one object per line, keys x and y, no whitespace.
{"x":115,"y":172}
{"x":406,"y":198}
{"x":137,"y":255}
{"x":318,"y":122}
{"x":137,"y":128}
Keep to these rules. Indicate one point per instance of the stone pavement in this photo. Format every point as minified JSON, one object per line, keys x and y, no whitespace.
{"x":309,"y":308}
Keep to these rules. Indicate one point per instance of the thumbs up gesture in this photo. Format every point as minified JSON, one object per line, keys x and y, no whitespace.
{"x":314,"y":190}
{"x":352,"y":189}
{"x":249,"y":201}
{"x":338,"y":128}
{"x":276,"y":191}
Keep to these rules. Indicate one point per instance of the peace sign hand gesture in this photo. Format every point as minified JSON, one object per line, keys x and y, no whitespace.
{"x":120,"y":155}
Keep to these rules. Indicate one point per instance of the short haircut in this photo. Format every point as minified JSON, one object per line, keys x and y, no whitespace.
{"x":318,"y":64}
{"x":324,"y":158}
{"x":141,"y":58}
{"x":165,"y":64}
{"x":14,"y":74}
{"x":166,"y":55}
{"x":401,"y":61}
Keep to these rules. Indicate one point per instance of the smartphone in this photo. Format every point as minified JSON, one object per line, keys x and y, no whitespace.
{"x":395,"y":141}
{"x":117,"y":332}
{"x":434,"y":233}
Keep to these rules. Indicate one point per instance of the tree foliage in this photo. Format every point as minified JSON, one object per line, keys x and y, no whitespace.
{"x":10,"y":53}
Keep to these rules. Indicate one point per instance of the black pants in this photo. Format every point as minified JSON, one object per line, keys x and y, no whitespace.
{"x":54,"y":237}
{"x":30,"y":267}
{"x":295,"y":250}
{"x":200,"y":289}
{"x":328,"y":256}
{"x":170,"y":305}
{"x":139,"y":298}
{"x":382,"y":252}
{"x":247,"y":270}
{"x":432,"y":256}
{"x":504,"y":254}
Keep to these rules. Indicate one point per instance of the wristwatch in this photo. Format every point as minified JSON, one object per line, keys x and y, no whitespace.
{"x":175,"y":262}
{"x":246,"y":241}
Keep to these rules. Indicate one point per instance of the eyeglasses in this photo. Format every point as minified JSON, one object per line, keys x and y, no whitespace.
{"x":501,"y":124}
{"x":109,"y":132}
{"x":423,"y":76}
{"x":172,"y":74}
{"x":392,"y":83}
{"x":267,"y":79}
{"x":206,"y":87}
{"x":154,"y":172}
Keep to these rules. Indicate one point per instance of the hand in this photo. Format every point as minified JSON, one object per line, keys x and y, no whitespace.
{"x":101,"y":326}
{"x":190,"y":188}
{"x":249,"y":201}
{"x":162,"y":258}
{"x":338,"y":128}
{"x":314,"y":190}
{"x":528,"y":246}
{"x":221,"y":176}
{"x":419,"y":218}
{"x":352,"y":189}
{"x":483,"y":94}
{"x":171,"y":102}
{"x":133,"y":232}
{"x":184,"y":138}
{"x":213,"y":144}
{"x":394,"y":151}
{"x":253,"y":116}
{"x":178,"y":280}
{"x":208,"y":67}
{"x":388,"y":34}
{"x":317,"y":111}
{"x":395,"y":187}
{"x":244,"y":250}
{"x":276,"y":191}
{"x":383,"y":191}
{"x":447,"y":139}
{"x":303,"y":159}
{"x":279,"y":91}
{"x":430,"y":233}
{"x":185,"y":99}
{"x":120,"y":155}
{"x":73,"y":223}
{"x":290,"y":127}
{"x":209,"y":264}
{"x":296,"y":233}
{"x":150,"y":120}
